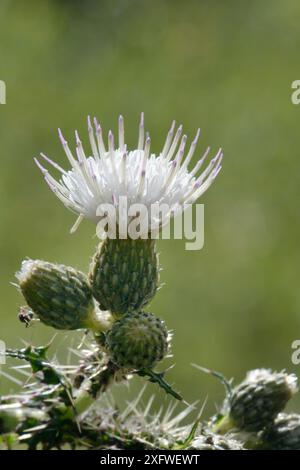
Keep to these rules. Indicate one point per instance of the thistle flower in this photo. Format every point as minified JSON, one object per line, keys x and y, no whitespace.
{"x":60,"y":296}
{"x":139,"y":175}
{"x":137,"y":341}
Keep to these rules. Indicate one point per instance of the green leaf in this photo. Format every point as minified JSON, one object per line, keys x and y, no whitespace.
{"x":158,"y":378}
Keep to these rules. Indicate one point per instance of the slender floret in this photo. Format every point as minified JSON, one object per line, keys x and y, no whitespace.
{"x":111,"y":172}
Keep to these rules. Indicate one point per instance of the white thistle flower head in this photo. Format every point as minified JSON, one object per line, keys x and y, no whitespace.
{"x":113,"y":172}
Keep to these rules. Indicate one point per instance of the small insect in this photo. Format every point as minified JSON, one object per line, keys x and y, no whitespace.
{"x":25,"y":315}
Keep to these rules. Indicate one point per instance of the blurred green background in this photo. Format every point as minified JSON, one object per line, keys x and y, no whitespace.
{"x":224,"y":66}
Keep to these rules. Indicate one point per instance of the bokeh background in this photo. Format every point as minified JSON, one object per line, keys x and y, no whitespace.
{"x":224,"y":66}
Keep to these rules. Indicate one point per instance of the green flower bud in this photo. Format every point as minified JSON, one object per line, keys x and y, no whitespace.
{"x":124,"y":274}
{"x":284,"y":434}
{"x":208,"y":440}
{"x":137,"y":341}
{"x":258,"y":399}
{"x":59,"y":295}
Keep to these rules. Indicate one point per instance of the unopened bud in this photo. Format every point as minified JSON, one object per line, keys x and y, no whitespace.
{"x":59,"y":295}
{"x":284,"y":434}
{"x":259,"y":398}
{"x":137,"y":341}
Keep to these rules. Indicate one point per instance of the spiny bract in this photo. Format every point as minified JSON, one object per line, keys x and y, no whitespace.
{"x":124,"y":274}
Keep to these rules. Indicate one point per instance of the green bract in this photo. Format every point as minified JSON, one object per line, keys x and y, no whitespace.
{"x":124,"y":274}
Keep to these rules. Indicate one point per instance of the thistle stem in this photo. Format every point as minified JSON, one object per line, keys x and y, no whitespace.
{"x":224,"y":425}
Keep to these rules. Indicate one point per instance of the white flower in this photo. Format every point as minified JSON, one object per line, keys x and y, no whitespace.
{"x":139,"y":175}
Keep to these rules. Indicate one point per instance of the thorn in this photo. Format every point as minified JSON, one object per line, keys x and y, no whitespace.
{"x":218,"y":375}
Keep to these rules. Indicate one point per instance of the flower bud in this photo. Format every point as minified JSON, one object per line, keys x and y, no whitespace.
{"x":124,"y":274}
{"x":137,"y":341}
{"x":259,"y":398}
{"x":284,"y":434}
{"x":59,"y":295}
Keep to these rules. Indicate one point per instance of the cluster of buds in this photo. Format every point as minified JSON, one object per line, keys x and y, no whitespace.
{"x":124,"y":277}
{"x":67,"y":299}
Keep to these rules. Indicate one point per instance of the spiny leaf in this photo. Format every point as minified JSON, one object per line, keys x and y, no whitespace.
{"x":186,"y":443}
{"x":37,"y":357}
{"x":158,"y":378}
